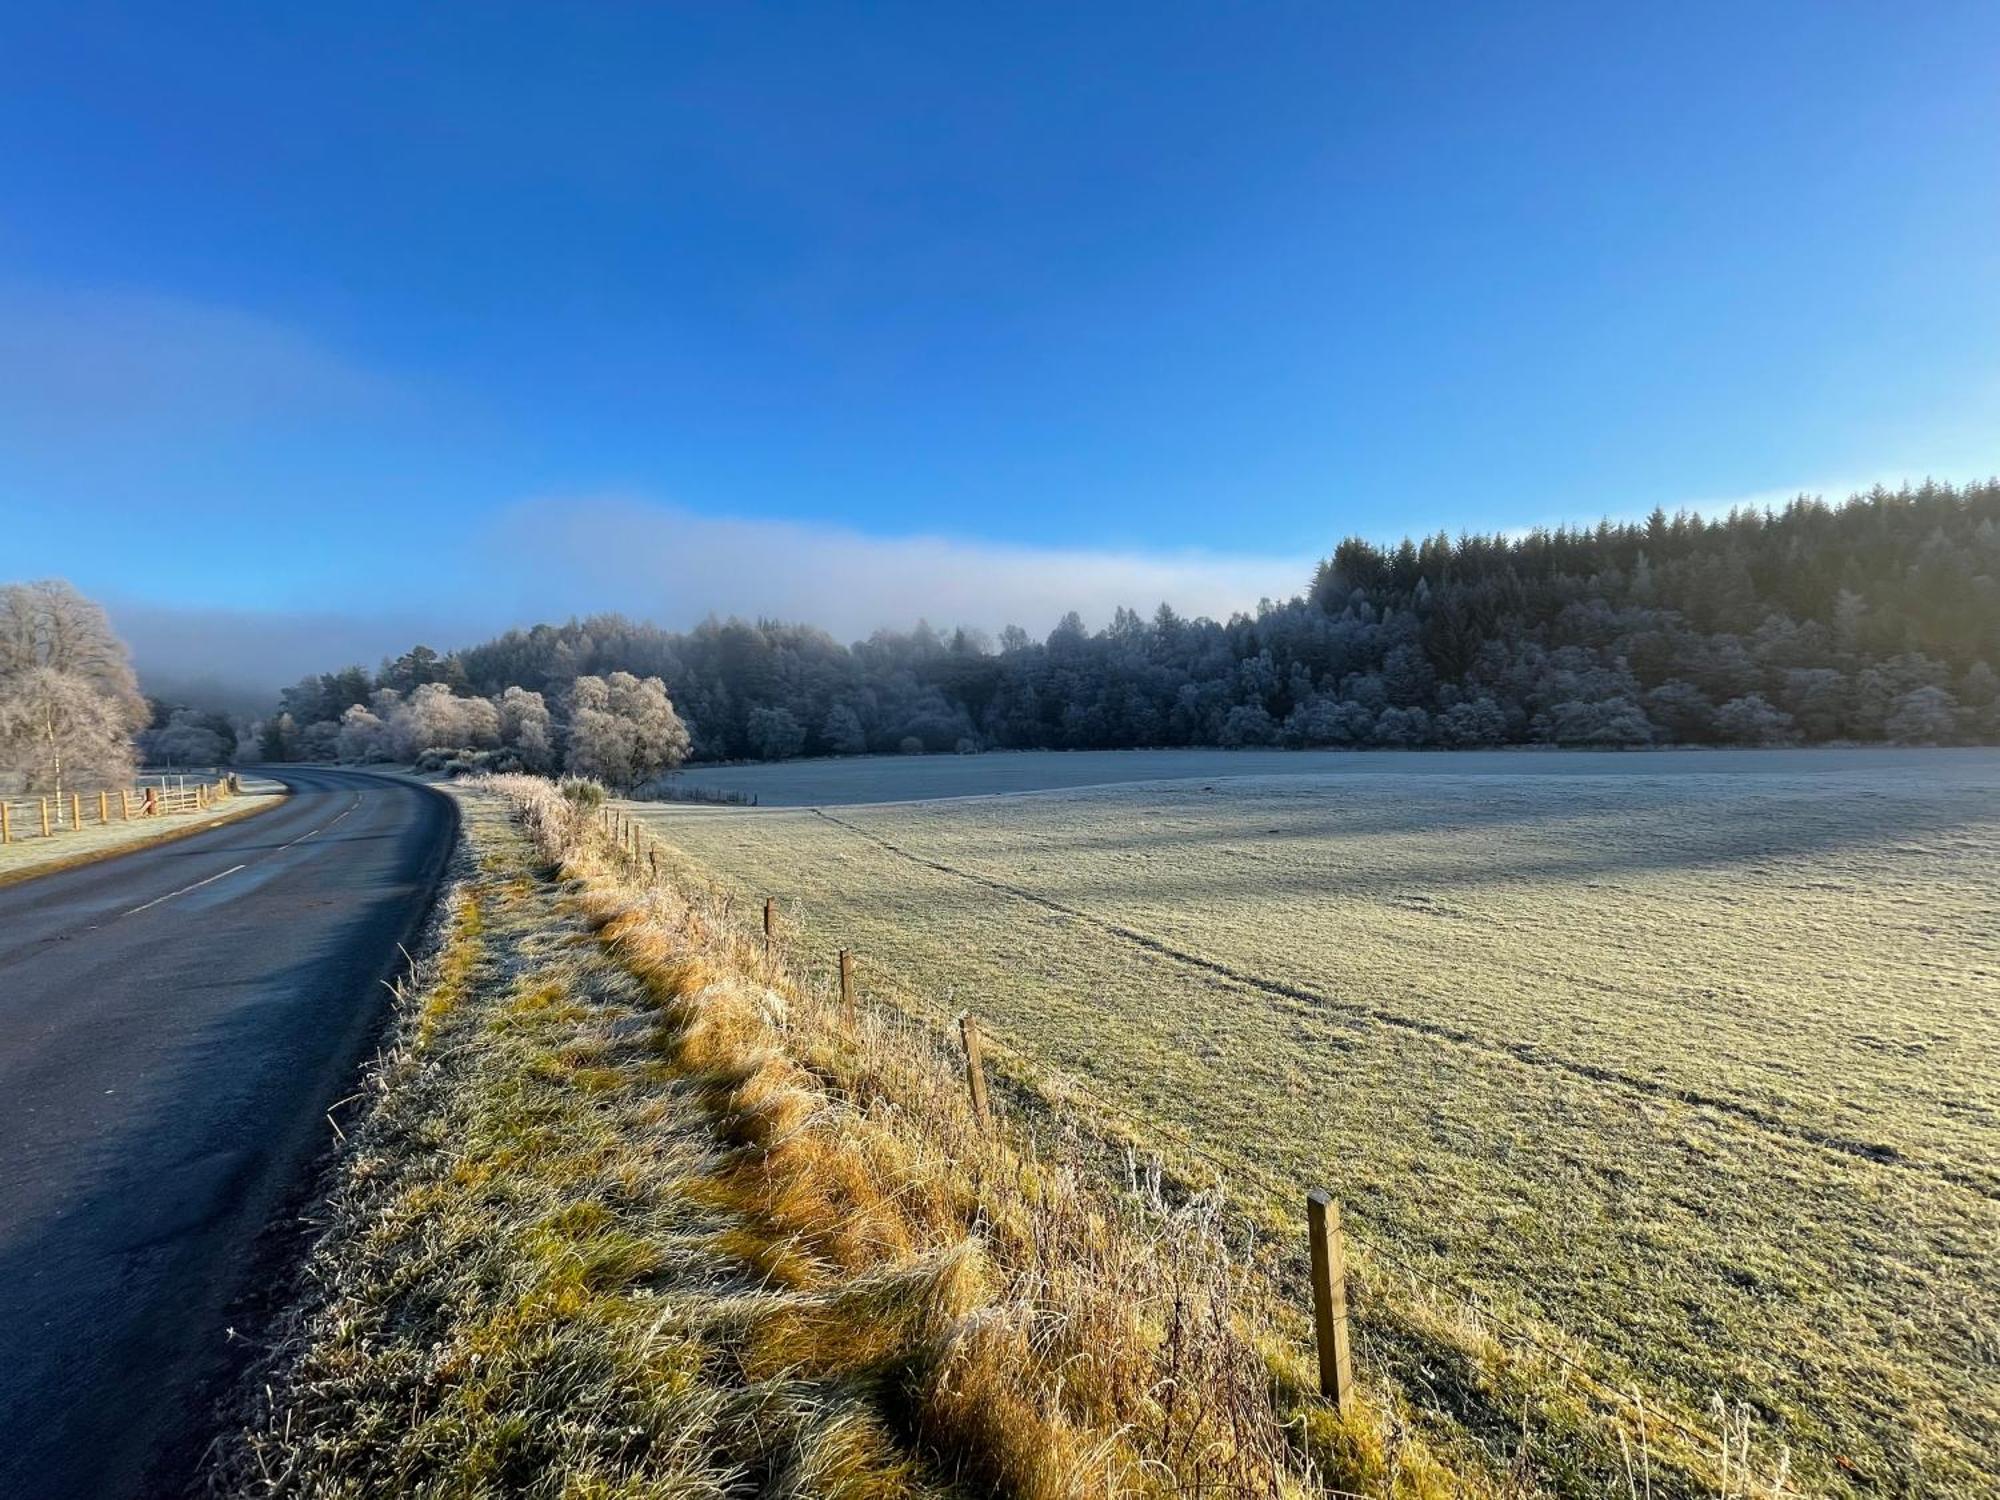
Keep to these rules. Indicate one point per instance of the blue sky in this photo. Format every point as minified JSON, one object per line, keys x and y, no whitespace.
{"x":320,"y":328}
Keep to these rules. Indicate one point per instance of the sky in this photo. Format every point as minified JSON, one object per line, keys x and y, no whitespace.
{"x":324,"y":329}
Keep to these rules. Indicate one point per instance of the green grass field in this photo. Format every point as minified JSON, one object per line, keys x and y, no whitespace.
{"x":1684,"y":1064}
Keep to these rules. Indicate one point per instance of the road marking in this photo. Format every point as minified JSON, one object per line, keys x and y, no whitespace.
{"x":184,"y":890}
{"x":234,"y":868}
{"x":324,"y":826}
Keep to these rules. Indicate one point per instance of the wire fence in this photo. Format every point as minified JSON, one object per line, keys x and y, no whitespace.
{"x":902,"y":1000}
{"x":903,"y":1003}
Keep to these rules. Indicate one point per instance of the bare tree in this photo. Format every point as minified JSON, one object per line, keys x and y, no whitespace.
{"x":188,"y":738}
{"x":49,"y":624}
{"x":68,"y":699}
{"x":433,"y":718}
{"x":362,"y":737}
{"x":528,"y":728}
{"x":59,"y":731}
{"x":623,"y":730}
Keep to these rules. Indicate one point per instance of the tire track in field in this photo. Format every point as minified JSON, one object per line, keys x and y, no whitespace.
{"x":1522,"y":1052}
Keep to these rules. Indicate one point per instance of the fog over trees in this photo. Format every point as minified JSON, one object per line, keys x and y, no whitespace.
{"x":1875,"y":620}
{"x":69,"y":702}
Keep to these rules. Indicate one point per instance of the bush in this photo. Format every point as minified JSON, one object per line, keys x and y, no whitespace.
{"x":582,"y":792}
{"x":910,"y":745}
{"x":1750,"y":720}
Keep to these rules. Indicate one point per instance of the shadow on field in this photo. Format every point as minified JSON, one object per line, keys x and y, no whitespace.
{"x":1785,"y":834}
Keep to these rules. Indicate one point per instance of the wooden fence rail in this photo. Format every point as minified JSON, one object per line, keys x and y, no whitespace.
{"x":74,"y":811}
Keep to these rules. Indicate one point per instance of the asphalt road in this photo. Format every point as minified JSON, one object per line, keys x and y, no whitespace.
{"x":174,"y":1025}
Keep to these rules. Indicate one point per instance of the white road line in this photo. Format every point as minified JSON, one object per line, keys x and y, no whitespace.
{"x":324,"y":826}
{"x":234,"y":868}
{"x":185,"y":889}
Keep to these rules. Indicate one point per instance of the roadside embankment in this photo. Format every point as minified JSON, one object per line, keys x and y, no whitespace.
{"x":637,"y":1209}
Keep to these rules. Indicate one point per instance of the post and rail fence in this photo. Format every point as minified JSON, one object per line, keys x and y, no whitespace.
{"x":52,"y":815}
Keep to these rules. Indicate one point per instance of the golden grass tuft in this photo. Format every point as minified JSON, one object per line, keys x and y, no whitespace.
{"x":1004,"y":1314}
{"x":636,"y":1214}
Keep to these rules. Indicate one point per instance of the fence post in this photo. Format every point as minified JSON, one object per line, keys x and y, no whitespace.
{"x":1329,"y":1278}
{"x":76,"y":812}
{"x":847,"y":988}
{"x":103,"y":808}
{"x":975,"y":1066}
{"x":653,"y":860}
{"x":6,"y":823}
{"x":45,"y":818}
{"x":152,"y":801}
{"x":770,"y":922}
{"x":124,"y":805}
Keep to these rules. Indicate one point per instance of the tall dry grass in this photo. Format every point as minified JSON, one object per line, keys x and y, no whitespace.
{"x":1032,"y":1329}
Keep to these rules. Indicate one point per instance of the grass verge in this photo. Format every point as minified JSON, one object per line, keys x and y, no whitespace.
{"x":26,"y":866}
{"x":638,"y":1211}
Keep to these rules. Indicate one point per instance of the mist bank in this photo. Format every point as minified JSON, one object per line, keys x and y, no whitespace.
{"x":1874,"y":620}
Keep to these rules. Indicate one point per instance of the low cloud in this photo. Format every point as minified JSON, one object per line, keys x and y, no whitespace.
{"x":551,"y":559}
{"x":237,"y":658}
{"x":676,"y":566}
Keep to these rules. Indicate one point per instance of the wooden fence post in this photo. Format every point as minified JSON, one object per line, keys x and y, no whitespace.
{"x":76,"y":812}
{"x":1329,"y":1278}
{"x":125,"y":805}
{"x":847,"y":988}
{"x":152,"y":802}
{"x":103,"y":808}
{"x":975,"y":1067}
{"x":45,"y":818}
{"x":653,"y":859}
{"x":770,"y":922}
{"x":6,"y":823}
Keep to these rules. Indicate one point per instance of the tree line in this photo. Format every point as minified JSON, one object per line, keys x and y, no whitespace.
{"x":1875,"y":620}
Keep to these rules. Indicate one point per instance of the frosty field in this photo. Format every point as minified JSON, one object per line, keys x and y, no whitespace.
{"x":1684,"y":1062}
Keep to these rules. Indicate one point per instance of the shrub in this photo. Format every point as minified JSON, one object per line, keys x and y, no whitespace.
{"x":582,"y":793}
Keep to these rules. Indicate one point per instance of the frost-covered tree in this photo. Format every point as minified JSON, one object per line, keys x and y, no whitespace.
{"x":432,"y":717}
{"x":1924,"y":716}
{"x":1829,"y":616}
{"x":1471,"y":724}
{"x":775,"y":734}
{"x":60,"y":733}
{"x":319,"y":740}
{"x":1249,"y":724}
{"x":842,"y":731}
{"x":1608,"y":721}
{"x":49,"y":624}
{"x":186,"y":738}
{"x":363,"y":736}
{"x":1398,"y":727}
{"x":69,"y":703}
{"x":623,"y":729}
{"x":278,"y":738}
{"x":528,"y":729}
{"x":1750,"y":720}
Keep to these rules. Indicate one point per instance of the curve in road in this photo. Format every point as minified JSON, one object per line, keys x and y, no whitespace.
{"x":174,"y":1025}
